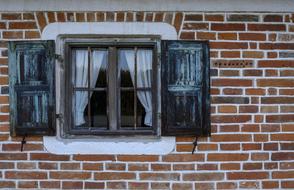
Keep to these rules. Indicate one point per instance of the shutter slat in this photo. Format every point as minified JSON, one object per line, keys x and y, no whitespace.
{"x":32,"y":89}
{"x":185,"y":88}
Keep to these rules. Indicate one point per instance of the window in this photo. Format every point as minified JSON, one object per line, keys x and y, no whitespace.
{"x":113,"y":86}
{"x":121,"y":95}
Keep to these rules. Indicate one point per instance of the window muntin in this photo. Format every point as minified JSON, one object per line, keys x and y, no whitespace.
{"x":125,"y":96}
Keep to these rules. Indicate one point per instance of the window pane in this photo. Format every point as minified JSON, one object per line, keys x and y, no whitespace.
{"x":99,"y":68}
{"x":126,"y":67}
{"x":127,"y":109}
{"x":97,"y":115}
{"x":99,"y":109}
{"x":80,"y":71}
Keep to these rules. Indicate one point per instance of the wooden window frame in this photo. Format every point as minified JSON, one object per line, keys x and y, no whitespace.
{"x":112,"y":42}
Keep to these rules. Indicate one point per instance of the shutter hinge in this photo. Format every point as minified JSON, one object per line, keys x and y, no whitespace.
{"x":58,"y":57}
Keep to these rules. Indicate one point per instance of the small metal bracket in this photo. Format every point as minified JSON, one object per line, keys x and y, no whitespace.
{"x":23,"y":142}
{"x":195,"y":144}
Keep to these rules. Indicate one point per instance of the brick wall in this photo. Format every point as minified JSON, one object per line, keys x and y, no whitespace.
{"x":251,"y":146}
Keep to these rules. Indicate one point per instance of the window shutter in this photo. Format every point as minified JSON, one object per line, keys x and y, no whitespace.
{"x":185,"y":87}
{"x":32,"y":87}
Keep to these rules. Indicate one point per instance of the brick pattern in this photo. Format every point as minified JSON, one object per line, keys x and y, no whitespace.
{"x":251,"y":146}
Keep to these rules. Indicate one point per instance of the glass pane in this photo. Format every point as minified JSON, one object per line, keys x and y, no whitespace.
{"x":127,"y":109}
{"x":144,"y":108}
{"x":80,"y":110}
{"x":99,"y":68}
{"x":99,"y":109}
{"x":144,"y":68}
{"x":126,"y":67}
{"x":80,"y":69}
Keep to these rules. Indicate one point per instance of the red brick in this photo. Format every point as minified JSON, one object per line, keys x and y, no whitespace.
{"x":27,"y":184}
{"x":180,"y":186}
{"x":114,"y":175}
{"x":275,"y":46}
{"x":206,"y":166}
{"x":92,"y":166}
{"x":230,"y":54}
{"x":51,"y":17}
{"x":252,"y":54}
{"x":50,"y":184}
{"x":248,"y":109}
{"x":25,"y":175}
{"x":266,"y":27}
{"x":277,"y":156}
{"x":255,"y":91}
{"x":226,"y":185}
{"x":228,"y":45}
{"x":183,"y":167}
{"x":47,"y":165}
{"x":196,"y":26}
{"x":60,"y":17}
{"x":270,"y":184}
{"x":137,"y":158}
{"x":227,"y":109}
{"x":11,"y":16}
{"x":49,"y":157}
{"x":41,"y":20}
{"x":277,"y":100}
{"x":288,"y":184}
{"x":214,"y":17}
{"x":280,"y":118}
{"x":138,"y":185}
{"x":32,"y":34}
{"x":187,"y":35}
{"x":193,"y":17}
{"x":7,"y":184}
{"x":206,"y":147}
{"x":183,"y":158}
{"x":120,"y":16}
{"x":28,"y":16}
{"x":229,"y":128}
{"x":12,"y":34}
{"x":227,"y":36}
{"x":231,"y":82}
{"x":70,"y":166}
{"x":22,"y":25}
{"x":161,"y":186}
{"x":80,"y":17}
{"x":287,"y":165}
{"x":70,"y":175}
{"x":282,"y":174}
{"x":90,"y":157}
{"x":232,"y":91}
{"x":115,"y":166}
{"x":203,"y":176}
{"x":251,"y":146}
{"x":178,"y":21}
{"x":13,"y":156}
{"x":230,"y":166}
{"x":273,"y":18}
{"x":249,"y":185}
{"x":72,"y":185}
{"x":252,"y":166}
{"x":259,"y":156}
{"x":275,"y":82}
{"x":94,"y":185}
{"x":270,"y":146}
{"x":227,"y":27}
{"x":227,"y":157}
{"x":252,"y":36}
{"x":205,"y":36}
{"x":230,"y":119}
{"x":26,"y":165}
{"x":159,"y":18}
{"x":26,"y":147}
{"x":247,"y":175}
{"x":138,"y":167}
{"x":2,"y":25}
{"x":287,"y":146}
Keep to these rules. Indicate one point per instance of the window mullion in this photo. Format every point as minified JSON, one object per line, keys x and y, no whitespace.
{"x":112,"y":89}
{"x":89,"y":87}
{"x":135,"y":89}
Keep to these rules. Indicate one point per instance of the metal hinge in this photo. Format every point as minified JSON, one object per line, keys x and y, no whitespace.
{"x":58,"y":57}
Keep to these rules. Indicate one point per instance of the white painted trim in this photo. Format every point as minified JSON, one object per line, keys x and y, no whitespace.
{"x":166,"y":31}
{"x":133,"y":146}
{"x":148,"y":5}
{"x":100,"y":145}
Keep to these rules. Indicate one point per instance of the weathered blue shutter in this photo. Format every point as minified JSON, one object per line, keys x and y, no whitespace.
{"x":185,"y":88}
{"x":31,"y":87}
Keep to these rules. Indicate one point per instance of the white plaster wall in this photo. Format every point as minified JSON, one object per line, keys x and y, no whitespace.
{"x":102,"y":145}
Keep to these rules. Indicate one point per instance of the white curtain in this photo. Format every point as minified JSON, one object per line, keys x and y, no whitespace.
{"x":144,"y":67}
{"x":81,"y":79}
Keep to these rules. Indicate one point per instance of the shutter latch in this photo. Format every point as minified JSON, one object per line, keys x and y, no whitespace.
{"x":195,"y":144}
{"x":23,"y":142}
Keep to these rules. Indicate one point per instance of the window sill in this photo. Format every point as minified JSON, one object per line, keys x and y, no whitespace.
{"x":125,"y":145}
